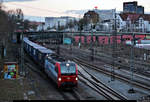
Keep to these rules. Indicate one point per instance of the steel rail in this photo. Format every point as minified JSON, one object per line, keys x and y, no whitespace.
{"x":74,"y":92}
{"x":119,"y":76}
{"x":101,"y":88}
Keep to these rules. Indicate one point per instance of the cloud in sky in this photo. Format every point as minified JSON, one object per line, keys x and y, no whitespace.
{"x":16,"y":0}
{"x":76,"y":11}
{"x":67,"y":7}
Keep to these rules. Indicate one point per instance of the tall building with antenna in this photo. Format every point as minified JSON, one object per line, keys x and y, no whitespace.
{"x":132,"y":7}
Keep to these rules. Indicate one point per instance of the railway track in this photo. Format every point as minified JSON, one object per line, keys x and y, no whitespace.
{"x":99,"y":87}
{"x":117,"y":75}
{"x":67,"y":95}
{"x":100,"y":67}
{"x":71,"y":95}
{"x":140,"y":66}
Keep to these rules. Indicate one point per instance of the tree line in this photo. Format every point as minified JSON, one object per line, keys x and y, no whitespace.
{"x":12,"y":20}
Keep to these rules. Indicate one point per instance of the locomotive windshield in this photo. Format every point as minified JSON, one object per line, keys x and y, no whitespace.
{"x":68,"y":68}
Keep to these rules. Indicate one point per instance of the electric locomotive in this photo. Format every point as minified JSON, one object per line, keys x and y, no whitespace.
{"x":63,"y":73}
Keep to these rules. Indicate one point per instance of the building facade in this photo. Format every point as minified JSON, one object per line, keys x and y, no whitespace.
{"x":140,"y":10}
{"x":105,"y":19}
{"x":129,"y":7}
{"x":132,"y":7}
{"x":55,"y":22}
{"x":132,"y":22}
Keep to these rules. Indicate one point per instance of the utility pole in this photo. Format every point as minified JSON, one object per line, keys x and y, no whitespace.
{"x":114,"y":46}
{"x":22,"y":54}
{"x":80,"y":38}
{"x":81,"y":28}
{"x":133,"y":42}
{"x":42,"y":32}
{"x":71,"y":44}
{"x":92,"y":50}
{"x":57,"y":44}
{"x":131,"y":90}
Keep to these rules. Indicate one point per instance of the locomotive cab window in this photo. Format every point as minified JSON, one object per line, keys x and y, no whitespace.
{"x":68,"y":69}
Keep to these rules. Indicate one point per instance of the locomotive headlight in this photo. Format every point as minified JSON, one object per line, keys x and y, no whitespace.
{"x":67,"y":64}
{"x":59,"y":79}
{"x":76,"y":78}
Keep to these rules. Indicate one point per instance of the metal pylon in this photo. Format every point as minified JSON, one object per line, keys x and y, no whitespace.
{"x":114,"y":46}
{"x":131,"y":90}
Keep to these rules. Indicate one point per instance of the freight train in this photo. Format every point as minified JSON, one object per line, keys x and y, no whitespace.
{"x":64,"y":73}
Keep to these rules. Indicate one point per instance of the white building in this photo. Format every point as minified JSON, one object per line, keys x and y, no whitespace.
{"x":134,"y":22}
{"x":124,"y":21}
{"x":54,"y":22}
{"x":106,"y":14}
{"x":106,"y":19}
{"x":120,"y":23}
{"x":41,"y":27}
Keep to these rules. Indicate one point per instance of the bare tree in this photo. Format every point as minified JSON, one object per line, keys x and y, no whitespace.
{"x":19,"y":14}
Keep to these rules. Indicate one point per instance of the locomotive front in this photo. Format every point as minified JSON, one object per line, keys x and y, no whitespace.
{"x":68,"y":74}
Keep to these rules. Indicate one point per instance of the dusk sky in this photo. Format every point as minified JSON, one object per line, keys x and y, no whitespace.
{"x":57,"y":8}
